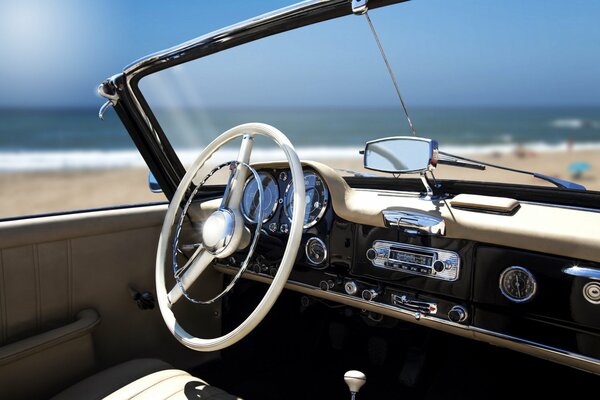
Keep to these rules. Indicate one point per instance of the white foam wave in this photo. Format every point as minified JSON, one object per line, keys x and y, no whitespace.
{"x":88,"y":160}
{"x":574,"y":123}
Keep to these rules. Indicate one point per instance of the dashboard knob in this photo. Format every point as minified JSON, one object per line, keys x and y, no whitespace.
{"x":351,"y":288}
{"x":326,"y":285}
{"x":370,"y":294}
{"x":439,"y":266}
{"x":457,"y":314}
{"x":371,"y":254}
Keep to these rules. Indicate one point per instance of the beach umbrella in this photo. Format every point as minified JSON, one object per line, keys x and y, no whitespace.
{"x":578,"y":168}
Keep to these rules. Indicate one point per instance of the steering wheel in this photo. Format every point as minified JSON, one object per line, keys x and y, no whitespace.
{"x":224,"y":232}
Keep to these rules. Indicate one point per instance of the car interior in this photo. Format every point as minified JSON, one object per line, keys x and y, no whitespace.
{"x":309,"y":285}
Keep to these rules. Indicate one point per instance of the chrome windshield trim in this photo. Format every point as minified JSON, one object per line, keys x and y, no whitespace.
{"x":224,"y":33}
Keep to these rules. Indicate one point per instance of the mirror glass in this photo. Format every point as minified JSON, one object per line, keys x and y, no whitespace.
{"x":399,"y":154}
{"x":153,"y":184}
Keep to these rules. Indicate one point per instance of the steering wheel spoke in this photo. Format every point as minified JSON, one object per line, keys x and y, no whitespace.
{"x":189,"y":272}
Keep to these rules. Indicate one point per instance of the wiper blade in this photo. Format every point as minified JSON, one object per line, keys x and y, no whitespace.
{"x":561,"y":183}
{"x":446,"y":159}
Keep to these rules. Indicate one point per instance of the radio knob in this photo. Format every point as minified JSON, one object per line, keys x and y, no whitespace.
{"x":457,"y":314}
{"x":371,"y":254}
{"x":439,"y":266}
{"x":326,"y":285}
{"x":369,"y":294}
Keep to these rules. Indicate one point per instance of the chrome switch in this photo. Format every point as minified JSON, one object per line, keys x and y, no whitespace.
{"x":457,"y":314}
{"x":351,"y":288}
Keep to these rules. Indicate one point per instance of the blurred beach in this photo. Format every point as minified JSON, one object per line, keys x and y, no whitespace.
{"x":53,"y":191}
{"x":59,"y":160}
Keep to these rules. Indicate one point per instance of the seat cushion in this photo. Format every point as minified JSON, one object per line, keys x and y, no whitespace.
{"x":140,"y":380}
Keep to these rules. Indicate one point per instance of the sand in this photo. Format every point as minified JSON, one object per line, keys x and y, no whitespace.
{"x":45,"y":192}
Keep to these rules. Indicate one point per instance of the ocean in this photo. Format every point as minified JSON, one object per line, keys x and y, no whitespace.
{"x":56,"y":139}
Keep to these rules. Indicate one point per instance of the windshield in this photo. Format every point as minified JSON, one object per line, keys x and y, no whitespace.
{"x":507,"y":83}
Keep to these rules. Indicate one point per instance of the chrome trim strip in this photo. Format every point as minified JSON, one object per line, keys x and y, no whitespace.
{"x":583,"y":272}
{"x":535,"y":349}
{"x":223,"y":33}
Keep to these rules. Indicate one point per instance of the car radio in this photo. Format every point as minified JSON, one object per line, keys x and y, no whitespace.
{"x":418,"y":260}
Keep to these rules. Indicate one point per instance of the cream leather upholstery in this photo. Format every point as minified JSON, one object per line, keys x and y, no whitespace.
{"x":143,"y":379}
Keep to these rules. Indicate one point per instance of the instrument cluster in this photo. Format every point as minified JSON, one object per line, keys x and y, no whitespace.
{"x":278,"y":199}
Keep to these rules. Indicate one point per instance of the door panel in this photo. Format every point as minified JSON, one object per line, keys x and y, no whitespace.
{"x":51,"y":268}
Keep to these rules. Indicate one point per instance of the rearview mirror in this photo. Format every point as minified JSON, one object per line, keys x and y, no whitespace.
{"x":401,"y":154}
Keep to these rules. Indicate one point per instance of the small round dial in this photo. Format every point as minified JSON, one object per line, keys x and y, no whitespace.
{"x":316,"y":251}
{"x":269,"y":201}
{"x":317,"y":198}
{"x":517,"y":284}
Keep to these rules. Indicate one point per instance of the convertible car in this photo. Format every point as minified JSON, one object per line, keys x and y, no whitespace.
{"x":288,"y":278}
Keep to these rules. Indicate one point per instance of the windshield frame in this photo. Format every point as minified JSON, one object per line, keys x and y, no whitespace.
{"x":123,"y":92}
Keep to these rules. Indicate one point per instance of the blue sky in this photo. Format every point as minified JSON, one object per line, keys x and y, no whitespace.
{"x":449,"y":53}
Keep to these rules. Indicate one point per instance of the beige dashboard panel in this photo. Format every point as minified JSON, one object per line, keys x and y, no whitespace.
{"x":548,"y":229}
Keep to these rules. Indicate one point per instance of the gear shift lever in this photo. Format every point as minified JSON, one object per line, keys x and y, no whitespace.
{"x":355,"y":380}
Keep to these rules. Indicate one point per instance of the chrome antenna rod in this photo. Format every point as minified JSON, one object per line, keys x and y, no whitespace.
{"x":360,"y":7}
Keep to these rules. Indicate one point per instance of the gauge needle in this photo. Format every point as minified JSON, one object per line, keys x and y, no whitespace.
{"x":518,"y":286}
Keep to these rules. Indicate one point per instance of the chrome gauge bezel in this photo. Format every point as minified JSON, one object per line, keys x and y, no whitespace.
{"x":275,"y":205}
{"x":324,"y":206}
{"x":506,"y":294}
{"x":325,"y":251}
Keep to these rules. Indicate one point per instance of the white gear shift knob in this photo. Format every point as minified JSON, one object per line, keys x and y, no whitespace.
{"x":355,"y":380}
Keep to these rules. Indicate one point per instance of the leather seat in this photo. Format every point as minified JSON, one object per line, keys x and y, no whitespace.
{"x":140,"y":380}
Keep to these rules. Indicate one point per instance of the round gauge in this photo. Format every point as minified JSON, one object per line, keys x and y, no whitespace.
{"x":316,"y":251}
{"x":269,"y":201}
{"x":517,"y":284}
{"x":317,"y":197}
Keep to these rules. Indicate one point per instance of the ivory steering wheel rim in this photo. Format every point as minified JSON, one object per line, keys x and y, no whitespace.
{"x":233,"y":192}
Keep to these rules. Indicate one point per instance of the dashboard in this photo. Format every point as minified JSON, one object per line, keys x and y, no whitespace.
{"x":412,"y":263}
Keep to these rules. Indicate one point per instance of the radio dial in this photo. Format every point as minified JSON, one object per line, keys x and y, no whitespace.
{"x":439,"y":266}
{"x":371,"y":254}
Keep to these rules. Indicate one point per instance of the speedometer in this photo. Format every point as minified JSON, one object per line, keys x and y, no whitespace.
{"x":251,"y":194}
{"x":317,"y":197}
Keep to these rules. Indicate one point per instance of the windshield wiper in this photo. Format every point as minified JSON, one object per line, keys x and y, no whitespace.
{"x":448,"y":159}
{"x":458,"y":161}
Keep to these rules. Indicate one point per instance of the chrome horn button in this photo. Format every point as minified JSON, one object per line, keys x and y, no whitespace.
{"x":218,"y":231}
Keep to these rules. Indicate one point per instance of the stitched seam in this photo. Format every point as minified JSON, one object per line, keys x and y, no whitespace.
{"x":157,"y":383}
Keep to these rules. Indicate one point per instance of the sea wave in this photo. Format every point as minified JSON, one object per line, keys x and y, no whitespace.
{"x":30,"y":161}
{"x":574,"y":123}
